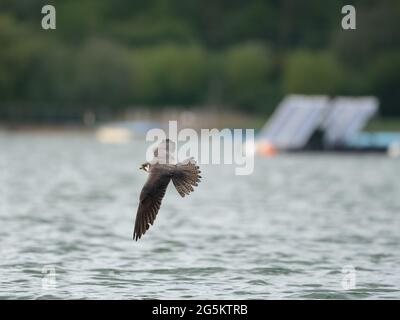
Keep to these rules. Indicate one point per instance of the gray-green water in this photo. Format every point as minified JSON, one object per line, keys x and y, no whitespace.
{"x":68,"y":203}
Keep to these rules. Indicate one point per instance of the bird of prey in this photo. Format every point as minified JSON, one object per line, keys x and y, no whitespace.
{"x":162,"y":169}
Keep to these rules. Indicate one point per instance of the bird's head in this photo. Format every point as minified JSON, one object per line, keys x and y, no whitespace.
{"x":145,"y":167}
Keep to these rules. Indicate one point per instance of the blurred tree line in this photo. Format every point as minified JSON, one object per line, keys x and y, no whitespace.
{"x":108,"y":55}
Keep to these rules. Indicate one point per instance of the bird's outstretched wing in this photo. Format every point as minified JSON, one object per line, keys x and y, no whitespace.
{"x":186,"y":176}
{"x":150,"y":200}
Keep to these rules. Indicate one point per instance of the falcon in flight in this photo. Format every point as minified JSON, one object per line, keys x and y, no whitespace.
{"x":162,"y":169}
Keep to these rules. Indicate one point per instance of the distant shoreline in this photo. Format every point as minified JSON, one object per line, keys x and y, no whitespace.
{"x":194,"y":118}
{"x":45,"y":128}
{"x":205,"y":121}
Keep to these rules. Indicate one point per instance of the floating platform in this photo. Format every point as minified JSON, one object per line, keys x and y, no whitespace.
{"x":320,"y":124}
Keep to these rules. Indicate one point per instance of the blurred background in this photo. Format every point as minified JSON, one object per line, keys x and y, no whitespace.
{"x":117,"y":59}
{"x":303,"y":225}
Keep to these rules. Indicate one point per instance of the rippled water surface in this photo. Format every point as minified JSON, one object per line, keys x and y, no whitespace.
{"x":68,"y":204}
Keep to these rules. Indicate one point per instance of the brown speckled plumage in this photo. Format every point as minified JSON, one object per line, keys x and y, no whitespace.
{"x":184,"y":176}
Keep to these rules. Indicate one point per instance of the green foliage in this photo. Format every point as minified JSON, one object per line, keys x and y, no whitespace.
{"x":106,"y":55}
{"x":246,"y":71}
{"x":385,"y":75}
{"x":312,"y":73}
{"x":49,"y":74}
{"x":15,"y":53}
{"x":170,"y":73}
{"x":377,"y":31}
{"x":103,"y":75}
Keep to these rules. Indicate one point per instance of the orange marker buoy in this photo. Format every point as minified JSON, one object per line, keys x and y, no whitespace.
{"x":265,"y":148}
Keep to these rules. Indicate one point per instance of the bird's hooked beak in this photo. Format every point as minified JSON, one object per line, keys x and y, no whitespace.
{"x":144,"y":167}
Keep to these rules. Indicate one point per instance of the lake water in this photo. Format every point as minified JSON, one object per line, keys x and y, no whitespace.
{"x":302,"y":226}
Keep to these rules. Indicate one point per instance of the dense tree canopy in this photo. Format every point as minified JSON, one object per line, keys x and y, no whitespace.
{"x":109,"y":55}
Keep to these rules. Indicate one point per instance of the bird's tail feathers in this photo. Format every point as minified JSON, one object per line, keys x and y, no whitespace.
{"x":186,"y":176}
